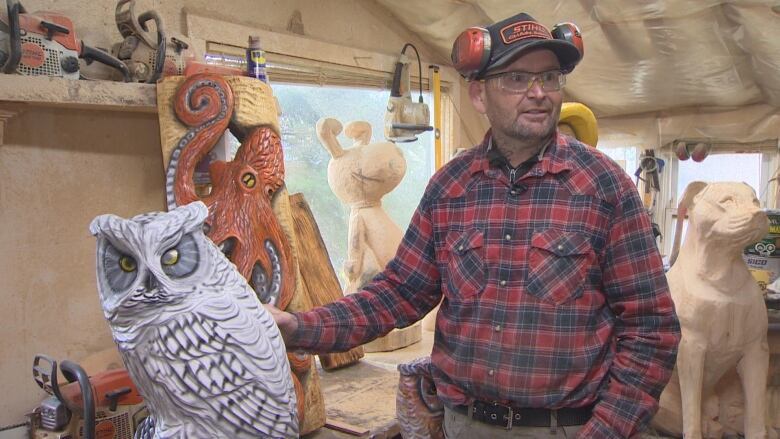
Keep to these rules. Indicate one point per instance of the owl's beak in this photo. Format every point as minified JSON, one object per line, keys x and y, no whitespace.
{"x":151,"y":282}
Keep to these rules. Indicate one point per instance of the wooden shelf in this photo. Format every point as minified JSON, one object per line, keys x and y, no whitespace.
{"x":83,"y":94}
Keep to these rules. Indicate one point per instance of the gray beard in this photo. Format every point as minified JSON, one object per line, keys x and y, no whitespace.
{"x":523,"y":134}
{"x":519,"y":135}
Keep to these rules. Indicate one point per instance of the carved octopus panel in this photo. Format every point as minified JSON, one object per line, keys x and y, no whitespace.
{"x":241,"y":220}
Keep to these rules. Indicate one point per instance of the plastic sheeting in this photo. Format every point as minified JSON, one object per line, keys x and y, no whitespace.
{"x":662,"y":69}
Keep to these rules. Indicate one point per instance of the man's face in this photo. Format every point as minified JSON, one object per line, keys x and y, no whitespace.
{"x":525,"y":116}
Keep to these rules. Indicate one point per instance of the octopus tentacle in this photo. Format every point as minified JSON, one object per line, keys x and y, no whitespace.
{"x":205,"y":103}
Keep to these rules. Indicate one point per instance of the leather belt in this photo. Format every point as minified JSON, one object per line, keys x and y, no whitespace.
{"x":506,"y":416}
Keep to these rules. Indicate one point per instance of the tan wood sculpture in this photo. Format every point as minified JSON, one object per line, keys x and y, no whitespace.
{"x":253,"y":183}
{"x":721,"y":310}
{"x":360,"y":176}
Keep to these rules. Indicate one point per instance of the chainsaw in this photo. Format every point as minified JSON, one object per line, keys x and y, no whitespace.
{"x":45,"y":44}
{"x":106,"y":405}
{"x":405,"y":119}
{"x":148,"y":56}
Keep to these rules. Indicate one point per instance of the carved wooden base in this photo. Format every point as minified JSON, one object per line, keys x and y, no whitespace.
{"x":396,"y":339}
{"x":429,"y":321}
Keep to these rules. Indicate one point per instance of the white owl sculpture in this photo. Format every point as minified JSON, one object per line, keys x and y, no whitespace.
{"x":205,"y":354}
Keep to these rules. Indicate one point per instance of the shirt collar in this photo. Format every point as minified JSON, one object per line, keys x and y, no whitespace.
{"x":552,"y":158}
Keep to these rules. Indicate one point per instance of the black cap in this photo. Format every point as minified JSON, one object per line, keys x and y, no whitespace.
{"x":519,"y":34}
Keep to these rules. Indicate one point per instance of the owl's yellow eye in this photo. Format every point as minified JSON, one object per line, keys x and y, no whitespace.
{"x":127,"y":264}
{"x":249,"y":180}
{"x":171,"y":257}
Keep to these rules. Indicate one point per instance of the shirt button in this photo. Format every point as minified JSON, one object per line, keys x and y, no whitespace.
{"x":560,"y":247}
{"x":498,"y":328}
{"x":508,"y":237}
{"x":513,"y":192}
{"x":502,"y":283}
{"x":460,"y":248}
{"x":491,"y":372}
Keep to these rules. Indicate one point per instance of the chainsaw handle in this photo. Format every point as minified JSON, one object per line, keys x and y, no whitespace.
{"x":74,"y":372}
{"x":89,"y":53}
{"x":15,"y":35}
{"x":159,"y":60}
{"x":411,"y":127}
{"x":52,"y":28}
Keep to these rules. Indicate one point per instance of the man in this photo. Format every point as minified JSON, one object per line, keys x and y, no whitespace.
{"x":556,"y":315}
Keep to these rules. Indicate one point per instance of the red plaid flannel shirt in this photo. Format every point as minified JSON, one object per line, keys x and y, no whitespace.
{"x":554,"y":290}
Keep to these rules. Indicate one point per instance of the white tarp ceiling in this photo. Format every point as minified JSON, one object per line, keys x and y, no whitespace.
{"x":641,"y":56}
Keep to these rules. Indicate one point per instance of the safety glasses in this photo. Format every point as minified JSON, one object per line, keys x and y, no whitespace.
{"x":521,"y":82}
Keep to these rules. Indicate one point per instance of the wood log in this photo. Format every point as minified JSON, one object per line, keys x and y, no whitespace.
{"x":314,"y":408}
{"x":317,"y":273}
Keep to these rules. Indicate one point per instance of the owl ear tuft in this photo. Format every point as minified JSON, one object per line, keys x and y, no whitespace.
{"x":93,"y":227}
{"x":98,"y":224}
{"x":197,"y":211}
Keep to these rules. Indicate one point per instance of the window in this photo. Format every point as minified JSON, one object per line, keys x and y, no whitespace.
{"x":722,"y":167}
{"x":622,"y":149}
{"x":625,"y":156}
{"x":753,"y":168}
{"x":306,"y":160}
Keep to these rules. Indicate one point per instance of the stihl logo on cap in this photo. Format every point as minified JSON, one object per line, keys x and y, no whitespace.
{"x":522,"y":30}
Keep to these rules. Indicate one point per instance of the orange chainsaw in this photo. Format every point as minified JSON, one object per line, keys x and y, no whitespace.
{"x":105,"y":405}
{"x":148,"y":56}
{"x":45,"y":44}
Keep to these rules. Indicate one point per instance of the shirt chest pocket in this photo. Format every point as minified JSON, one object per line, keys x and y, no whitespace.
{"x":558,"y":263}
{"x":465,"y":275}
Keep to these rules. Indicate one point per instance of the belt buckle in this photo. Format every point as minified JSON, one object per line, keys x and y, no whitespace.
{"x":509,"y":417}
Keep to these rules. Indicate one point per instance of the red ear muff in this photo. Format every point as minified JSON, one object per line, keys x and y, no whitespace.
{"x":569,"y":32}
{"x":681,"y":151}
{"x":471,"y":52}
{"x":700,"y":151}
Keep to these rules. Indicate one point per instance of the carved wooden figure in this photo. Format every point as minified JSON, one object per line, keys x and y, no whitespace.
{"x":242,"y":220}
{"x":360,"y":176}
{"x":721,"y":310}
{"x":419,"y":410}
{"x":205,"y":355}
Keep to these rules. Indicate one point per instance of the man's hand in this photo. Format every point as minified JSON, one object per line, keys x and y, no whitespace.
{"x":286,"y":322}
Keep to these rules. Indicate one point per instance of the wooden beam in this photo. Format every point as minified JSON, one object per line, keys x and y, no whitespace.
{"x":4,"y":117}
{"x":82,"y":94}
